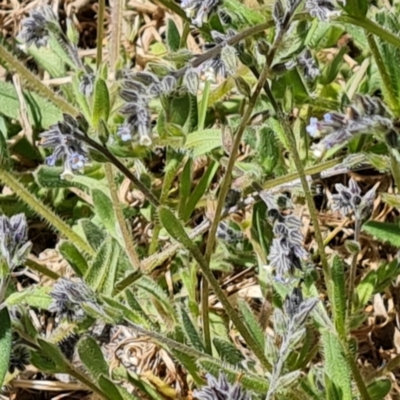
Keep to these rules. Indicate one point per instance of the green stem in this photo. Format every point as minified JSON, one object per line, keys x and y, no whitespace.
{"x":34,"y":83}
{"x":204,"y":287}
{"x":116,"y":25}
{"x":100,"y":32}
{"x":33,"y":265}
{"x":126,"y":235}
{"x":387,"y":84}
{"x":21,"y":191}
{"x":118,"y":164}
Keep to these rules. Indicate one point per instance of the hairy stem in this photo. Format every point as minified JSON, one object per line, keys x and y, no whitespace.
{"x":34,"y":83}
{"x":100,"y":32}
{"x":119,"y":165}
{"x":37,"y":206}
{"x":115,"y":42}
{"x":126,"y":235}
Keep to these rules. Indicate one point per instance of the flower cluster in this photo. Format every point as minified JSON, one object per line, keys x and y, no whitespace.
{"x":137,"y":91}
{"x":199,"y":10}
{"x":287,"y":250}
{"x":61,"y":138}
{"x":365,"y":115}
{"x":37,"y":27}
{"x":324,"y":10}
{"x":14,"y":244}
{"x":68,"y":297}
{"x":349,"y":200}
{"x":220,"y":389}
{"x":40,"y":26}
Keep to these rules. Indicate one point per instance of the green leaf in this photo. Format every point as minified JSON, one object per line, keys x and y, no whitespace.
{"x":49,"y":177}
{"x":202,"y":142}
{"x":41,"y":113}
{"x":180,"y":110}
{"x":74,"y":257}
{"x":331,"y":70}
{"x":379,"y":389}
{"x":190,"y":331}
{"x":185,"y":186}
{"x":105,"y":210}
{"x":114,"y":262}
{"x":81,"y":99}
{"x":336,"y":367}
{"x":384,"y":231}
{"x":53,"y":352}
{"x":94,"y":235}
{"x":50,"y":61}
{"x":109,"y":387}
{"x":151,"y":287}
{"x":5,"y":343}
{"x":251,"y":323}
{"x":92,"y":357}
{"x":357,"y":8}
{"x":173,"y":36}
{"x":37,"y":297}
{"x":199,"y":190}
{"x":366,"y":288}
{"x":44,"y":364}
{"x":135,"y":316}
{"x":101,"y":102}
{"x":227,"y":351}
{"x":175,"y":228}
{"x":202,"y":108}
{"x":101,"y":273}
{"x":339,"y":292}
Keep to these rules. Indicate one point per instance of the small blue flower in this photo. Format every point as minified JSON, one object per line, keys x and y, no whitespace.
{"x":365,"y":115}
{"x":36,"y":28}
{"x":313,"y":128}
{"x":66,"y":147}
{"x":125,"y":132}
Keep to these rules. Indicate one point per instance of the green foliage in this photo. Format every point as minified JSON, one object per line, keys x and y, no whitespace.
{"x":92,"y":357}
{"x":214,"y":183}
{"x":5,"y":342}
{"x":383,"y":231}
{"x":41,"y":112}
